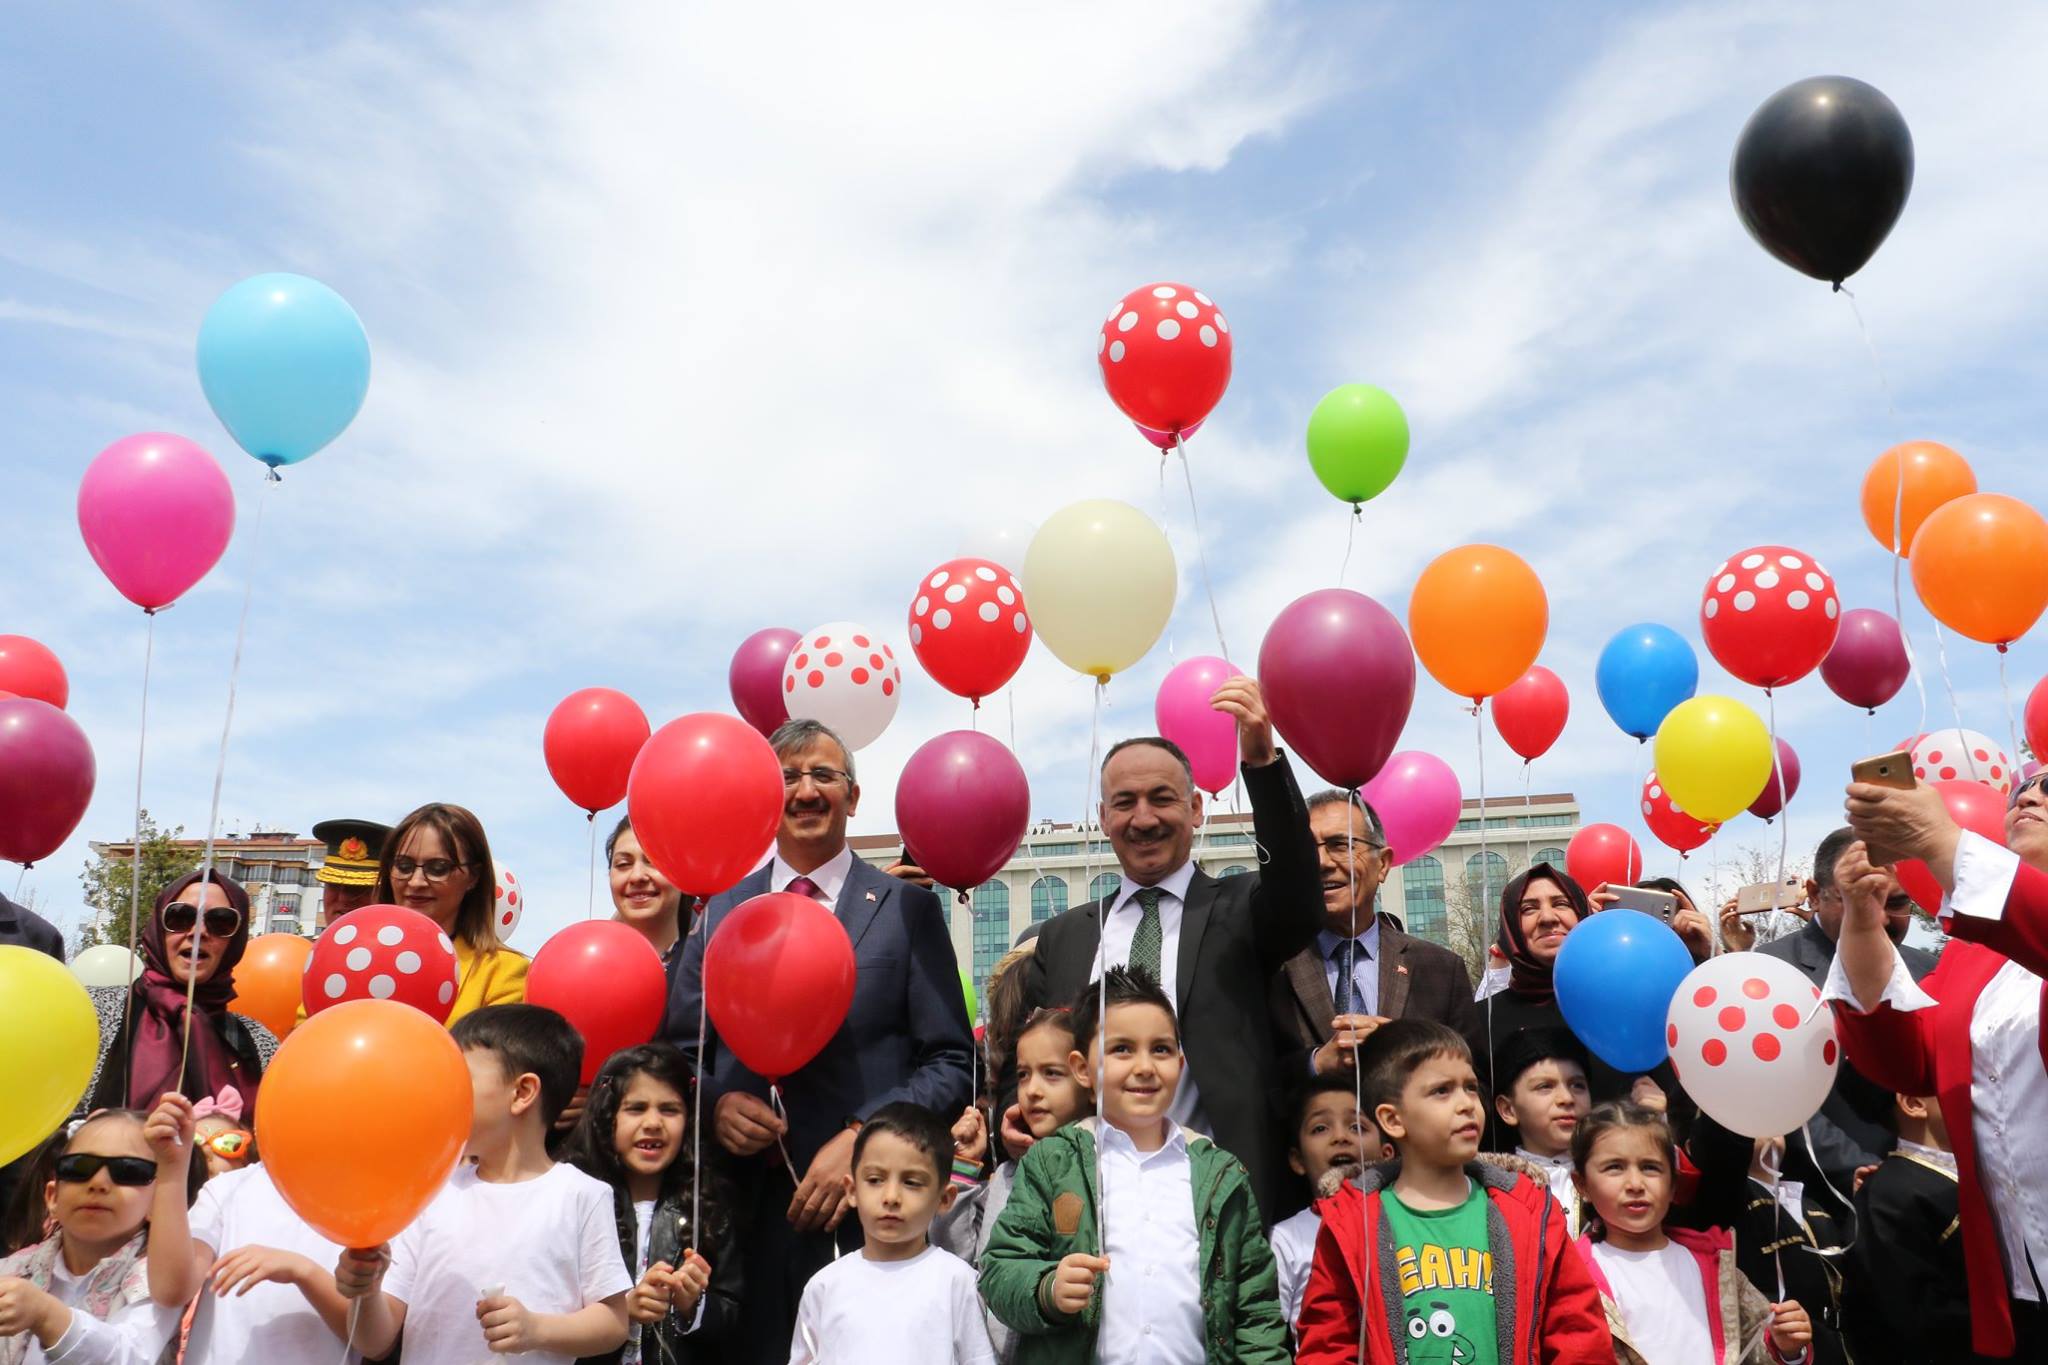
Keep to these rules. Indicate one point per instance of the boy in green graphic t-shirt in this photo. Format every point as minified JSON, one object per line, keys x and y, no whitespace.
{"x":1446,"y":1276}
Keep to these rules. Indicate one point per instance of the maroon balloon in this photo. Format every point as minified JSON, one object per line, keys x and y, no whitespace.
{"x":962,"y":805}
{"x":1339,"y":678}
{"x":46,"y":778}
{"x":1867,"y":665}
{"x":756,"y":677}
{"x":1770,"y":803}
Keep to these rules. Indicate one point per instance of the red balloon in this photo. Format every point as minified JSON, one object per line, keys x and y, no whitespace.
{"x":755,"y":677}
{"x":968,"y":626}
{"x":1165,"y":356}
{"x":1530,"y":712}
{"x":605,"y":978}
{"x":778,"y":978}
{"x":2036,"y":718}
{"x":1672,"y":826}
{"x":1770,"y":615}
{"x":382,"y":952}
{"x":46,"y":778}
{"x":591,"y":740}
{"x":1603,"y":855}
{"x":705,"y":797}
{"x":1975,"y":807}
{"x":29,"y":669}
{"x":1165,"y":439}
{"x":964,"y":804}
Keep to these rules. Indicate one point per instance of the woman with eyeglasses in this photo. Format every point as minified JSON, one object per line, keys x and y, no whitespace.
{"x":438,"y":862}
{"x":1971,"y":1034}
{"x":643,"y":898}
{"x":190,"y":945}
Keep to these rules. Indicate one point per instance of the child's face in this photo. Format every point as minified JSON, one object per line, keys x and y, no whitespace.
{"x":498,"y":1099}
{"x":1046,"y":1088}
{"x":897,"y":1191}
{"x":1546,"y":1104}
{"x":99,"y":1212}
{"x":1333,"y":1133}
{"x":648,"y":1132}
{"x":1627,"y":1180}
{"x":1141,"y":1060}
{"x":1436,"y":1121}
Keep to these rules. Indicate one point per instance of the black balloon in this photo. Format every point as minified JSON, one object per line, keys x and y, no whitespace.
{"x":1821,"y":173}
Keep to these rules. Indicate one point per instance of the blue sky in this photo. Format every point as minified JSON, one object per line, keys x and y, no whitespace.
{"x":691,"y":321}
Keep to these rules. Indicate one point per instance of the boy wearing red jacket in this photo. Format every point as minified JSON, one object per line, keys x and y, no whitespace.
{"x":1404,"y":1265}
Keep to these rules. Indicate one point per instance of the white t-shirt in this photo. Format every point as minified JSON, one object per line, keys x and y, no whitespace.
{"x":551,"y":1241}
{"x":271,"y":1321}
{"x":1663,"y":1299}
{"x":861,"y":1312}
{"x":1294,"y":1250}
{"x":134,"y":1335}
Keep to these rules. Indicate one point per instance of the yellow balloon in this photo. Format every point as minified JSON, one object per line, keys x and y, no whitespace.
{"x":56,"y":1034}
{"x":1099,"y":580}
{"x":1713,"y":756}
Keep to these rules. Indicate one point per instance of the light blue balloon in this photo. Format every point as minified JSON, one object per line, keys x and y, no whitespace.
{"x":285,"y":363}
{"x":1645,"y":670}
{"x":1615,"y":977}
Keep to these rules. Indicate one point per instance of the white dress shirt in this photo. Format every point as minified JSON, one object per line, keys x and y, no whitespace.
{"x":1557,"y":1171}
{"x":1152,"y":1308}
{"x":1119,"y":927}
{"x":2008,"y":1084}
{"x":830,"y":878}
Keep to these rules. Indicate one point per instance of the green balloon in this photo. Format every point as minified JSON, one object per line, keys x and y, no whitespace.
{"x":967,"y":989}
{"x":1357,"y":441}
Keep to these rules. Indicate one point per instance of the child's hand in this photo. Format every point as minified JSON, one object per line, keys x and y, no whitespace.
{"x":168,"y":1131}
{"x":1073,"y":1282}
{"x":1791,"y":1329}
{"x":359,"y":1272}
{"x":573,"y":1111}
{"x":1017,"y":1138}
{"x":1648,"y":1094}
{"x":970,"y":1135}
{"x":508,"y":1326}
{"x":652,"y":1297}
{"x":250,"y":1266}
{"x":1863,"y":1173}
{"x":25,"y":1308}
{"x":689,"y":1282}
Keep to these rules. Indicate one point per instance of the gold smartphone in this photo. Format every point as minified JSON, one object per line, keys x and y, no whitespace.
{"x":1755,"y":899}
{"x":1894,"y":769}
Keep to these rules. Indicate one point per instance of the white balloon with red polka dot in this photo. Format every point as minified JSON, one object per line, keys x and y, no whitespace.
{"x":1752,"y":1044}
{"x":1962,"y":756}
{"x":842,"y":674}
{"x":509,"y":904}
{"x":383,"y":952}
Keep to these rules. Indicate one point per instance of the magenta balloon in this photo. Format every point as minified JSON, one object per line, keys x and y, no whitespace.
{"x":756,"y":677}
{"x":1868,"y":664}
{"x":1339,"y":678}
{"x":1769,"y":804}
{"x":1183,"y":713}
{"x":962,"y":806}
{"x":46,"y":777}
{"x":1416,"y":797}
{"x":156,"y":513}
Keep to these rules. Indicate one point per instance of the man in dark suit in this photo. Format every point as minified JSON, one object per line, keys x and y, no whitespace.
{"x":905,"y":1038}
{"x":21,"y":927}
{"x":1851,"y":1130}
{"x":1363,"y":969}
{"x":1213,"y":943}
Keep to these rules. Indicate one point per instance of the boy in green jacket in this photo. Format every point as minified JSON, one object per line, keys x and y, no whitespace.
{"x":1172,"y":1269}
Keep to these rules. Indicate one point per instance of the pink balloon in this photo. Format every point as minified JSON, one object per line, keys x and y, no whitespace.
{"x":1183,"y":714}
{"x":156,"y":513}
{"x":1867,"y":665}
{"x":1416,"y":797}
{"x":46,"y":778}
{"x":1769,"y":804}
{"x":756,"y":677}
{"x":1339,"y":678}
{"x":963,"y":805}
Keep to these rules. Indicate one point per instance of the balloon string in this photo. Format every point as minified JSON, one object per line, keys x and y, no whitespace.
{"x":348,"y":1343}
{"x":1101,"y":986}
{"x":19,"y":878}
{"x":1486,"y":875}
{"x":782,"y":1112}
{"x":590,"y":904}
{"x":1898,"y":515}
{"x":1955,"y":708}
{"x":1201,"y":551}
{"x":1165,"y":522}
{"x":135,"y":851}
{"x":2011,"y":725}
{"x":1350,"y":535}
{"x":1357,"y":804}
{"x":1784,"y":818}
{"x":697,"y":1100}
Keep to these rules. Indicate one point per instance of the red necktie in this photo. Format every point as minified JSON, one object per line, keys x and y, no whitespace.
{"x":805,"y":887}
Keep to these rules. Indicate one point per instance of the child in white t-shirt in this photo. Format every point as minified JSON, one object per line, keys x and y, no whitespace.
{"x":1332,"y":1139}
{"x":516,"y":1255}
{"x":901,"y":1298}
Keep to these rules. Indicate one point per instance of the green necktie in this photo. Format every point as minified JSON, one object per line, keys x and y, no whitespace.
{"x":1145,"y":942}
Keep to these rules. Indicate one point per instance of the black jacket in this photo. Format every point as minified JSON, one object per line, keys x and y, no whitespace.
{"x":1905,"y":1297}
{"x":669,"y":1342}
{"x":22,"y":927}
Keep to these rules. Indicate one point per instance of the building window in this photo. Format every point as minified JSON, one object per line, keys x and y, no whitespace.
{"x":1104,"y":886}
{"x":1233,"y":870}
{"x":1496,"y":879}
{"x":1066,"y":850}
{"x":1553,"y":856}
{"x":1422,"y":883}
{"x":991,"y":928}
{"x":1048,"y":898}
{"x":290,"y":874}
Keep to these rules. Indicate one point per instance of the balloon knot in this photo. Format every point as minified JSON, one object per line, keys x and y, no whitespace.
{"x":2001,"y":649}
{"x":1838,"y":286}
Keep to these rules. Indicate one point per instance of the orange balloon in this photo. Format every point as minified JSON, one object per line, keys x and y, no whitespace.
{"x":1478,"y":616}
{"x":1980,"y":563}
{"x":363,"y":1114}
{"x":1934,"y":475}
{"x":268,"y":980}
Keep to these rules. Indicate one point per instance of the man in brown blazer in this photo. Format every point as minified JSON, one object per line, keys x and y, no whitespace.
{"x":1329,"y":997}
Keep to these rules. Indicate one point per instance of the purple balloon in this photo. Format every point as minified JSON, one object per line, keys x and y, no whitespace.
{"x":962,"y":806}
{"x":1207,"y":736}
{"x":756,"y":677}
{"x":1416,"y":797}
{"x":1770,"y":803}
{"x":1338,"y":674}
{"x":46,"y":778}
{"x":1867,"y":665}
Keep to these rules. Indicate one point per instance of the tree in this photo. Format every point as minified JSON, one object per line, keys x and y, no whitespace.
{"x":109,"y":888}
{"x":1472,"y":914}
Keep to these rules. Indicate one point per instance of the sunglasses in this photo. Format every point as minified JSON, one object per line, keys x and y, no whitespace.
{"x":2034,"y":783}
{"x":78,"y":1167}
{"x":221,"y":920}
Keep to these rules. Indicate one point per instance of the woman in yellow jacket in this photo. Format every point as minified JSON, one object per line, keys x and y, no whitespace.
{"x":438,"y":862}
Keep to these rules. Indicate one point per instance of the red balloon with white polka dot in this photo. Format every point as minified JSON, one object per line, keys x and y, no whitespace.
{"x":1165,"y":356}
{"x":382,"y":952}
{"x":1770,"y":615}
{"x":968,"y":626}
{"x":1673,"y":827}
{"x":1752,"y":1044}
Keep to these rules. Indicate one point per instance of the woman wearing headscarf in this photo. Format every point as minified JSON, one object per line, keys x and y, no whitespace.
{"x":190,"y":944}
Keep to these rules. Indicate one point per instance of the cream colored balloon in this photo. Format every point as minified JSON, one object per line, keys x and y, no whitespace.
{"x":1100,"y":581}
{"x":106,"y":964}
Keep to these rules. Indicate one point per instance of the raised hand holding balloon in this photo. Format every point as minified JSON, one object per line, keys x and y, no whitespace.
{"x":1183,"y":714}
{"x":1339,"y":680}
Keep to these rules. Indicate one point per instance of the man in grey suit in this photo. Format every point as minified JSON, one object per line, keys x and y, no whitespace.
{"x":905,"y":1038}
{"x":1850,"y":1130}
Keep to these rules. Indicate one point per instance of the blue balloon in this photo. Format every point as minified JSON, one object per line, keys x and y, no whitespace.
{"x":285,"y":364}
{"x":1644,"y":671}
{"x":1615,"y":977}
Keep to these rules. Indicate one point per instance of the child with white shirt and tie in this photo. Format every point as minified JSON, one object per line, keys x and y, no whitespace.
{"x":1163,"y":1261}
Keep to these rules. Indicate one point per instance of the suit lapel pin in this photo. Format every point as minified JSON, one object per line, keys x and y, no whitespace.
{"x":1400,"y":969}
{"x":870,"y":895}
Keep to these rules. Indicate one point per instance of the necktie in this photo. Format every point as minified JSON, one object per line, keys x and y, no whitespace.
{"x":805,"y":887}
{"x":1145,"y":942}
{"x":1341,"y":958}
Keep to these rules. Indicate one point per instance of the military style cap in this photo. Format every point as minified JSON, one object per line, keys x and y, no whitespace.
{"x":354,"y":848}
